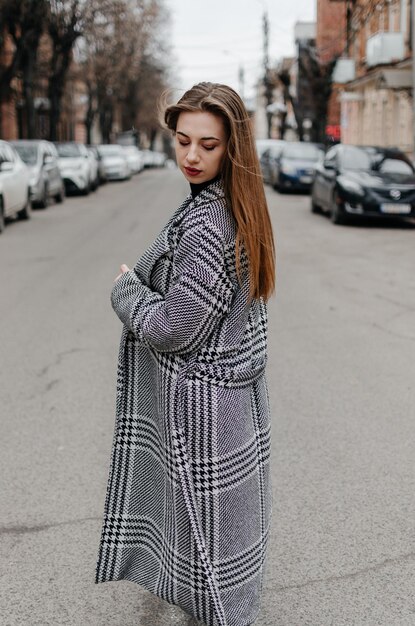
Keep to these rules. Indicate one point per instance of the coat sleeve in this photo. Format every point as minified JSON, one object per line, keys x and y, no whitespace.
{"x":199,"y":296}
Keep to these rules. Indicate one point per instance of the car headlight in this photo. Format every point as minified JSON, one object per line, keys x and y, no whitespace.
{"x":351,"y":186}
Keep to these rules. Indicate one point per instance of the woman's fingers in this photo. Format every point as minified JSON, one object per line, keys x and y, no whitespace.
{"x":124,"y":268}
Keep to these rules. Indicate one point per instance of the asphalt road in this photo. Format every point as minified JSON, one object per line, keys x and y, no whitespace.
{"x":341,"y":378}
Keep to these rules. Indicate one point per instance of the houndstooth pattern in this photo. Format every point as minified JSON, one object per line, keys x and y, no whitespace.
{"x":188,"y":501}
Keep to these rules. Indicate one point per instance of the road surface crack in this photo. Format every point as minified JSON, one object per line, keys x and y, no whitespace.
{"x":351,"y":575}
{"x":23,"y":530}
{"x":58,"y":360}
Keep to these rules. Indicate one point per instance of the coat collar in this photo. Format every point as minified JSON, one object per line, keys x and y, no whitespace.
{"x":214,"y":191}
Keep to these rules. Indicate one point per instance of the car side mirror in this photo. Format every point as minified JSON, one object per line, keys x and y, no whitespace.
{"x":329,"y":165}
{"x":47,"y":159}
{"x":6,"y":166}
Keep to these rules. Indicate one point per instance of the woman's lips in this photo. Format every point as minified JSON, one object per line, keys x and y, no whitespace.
{"x":191,"y":171}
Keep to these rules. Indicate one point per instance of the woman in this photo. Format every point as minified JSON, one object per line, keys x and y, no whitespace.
{"x":188,"y":501}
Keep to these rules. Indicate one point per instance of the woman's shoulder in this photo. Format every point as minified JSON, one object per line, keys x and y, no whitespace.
{"x":212,"y":211}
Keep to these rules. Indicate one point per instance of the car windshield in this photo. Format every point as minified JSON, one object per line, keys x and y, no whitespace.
{"x":68,"y":150}
{"x":110,"y":150}
{"x":355,"y":159}
{"x":303,"y":151}
{"x":27,"y":153}
{"x":394,"y":166}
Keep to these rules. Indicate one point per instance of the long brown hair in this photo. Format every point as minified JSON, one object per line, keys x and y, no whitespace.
{"x":242,"y":179}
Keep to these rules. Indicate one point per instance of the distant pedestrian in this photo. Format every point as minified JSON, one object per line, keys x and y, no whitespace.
{"x":188,"y":502}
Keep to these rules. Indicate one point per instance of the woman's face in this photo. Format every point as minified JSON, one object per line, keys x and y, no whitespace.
{"x":200,"y":143}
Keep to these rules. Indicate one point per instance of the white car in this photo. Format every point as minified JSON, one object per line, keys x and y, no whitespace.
{"x":74,"y":166}
{"x":114,"y":162}
{"x":135,"y":158}
{"x":14,"y":185}
{"x":93,"y":169}
{"x":46,"y":181}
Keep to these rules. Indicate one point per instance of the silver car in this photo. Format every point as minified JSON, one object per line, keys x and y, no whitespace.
{"x":46,"y":181}
{"x":14,"y":185}
{"x":114,"y":161}
{"x":74,"y":164}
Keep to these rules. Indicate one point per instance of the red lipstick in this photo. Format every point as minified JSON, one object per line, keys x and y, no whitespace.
{"x":191,"y":171}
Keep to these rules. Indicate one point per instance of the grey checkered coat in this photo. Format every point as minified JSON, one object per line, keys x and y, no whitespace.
{"x":188,"y":501}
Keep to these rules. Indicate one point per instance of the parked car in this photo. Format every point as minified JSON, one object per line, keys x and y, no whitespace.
{"x":153,"y":158}
{"x":102,"y":175}
{"x":14,"y":185}
{"x":74,"y":166}
{"x":295,"y":166}
{"x":269,"y":159}
{"x":364,"y":181}
{"x":264,"y":144}
{"x":114,"y":161}
{"x":46,"y":181}
{"x":135,"y":158}
{"x":93,"y":169}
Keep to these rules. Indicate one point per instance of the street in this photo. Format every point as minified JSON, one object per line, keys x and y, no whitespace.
{"x":341,"y":381}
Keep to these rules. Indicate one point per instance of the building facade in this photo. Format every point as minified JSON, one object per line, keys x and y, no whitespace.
{"x":376,"y":96}
{"x":330,"y":44}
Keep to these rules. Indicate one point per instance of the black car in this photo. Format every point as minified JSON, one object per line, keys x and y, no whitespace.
{"x":295,"y":166}
{"x":355,"y":181}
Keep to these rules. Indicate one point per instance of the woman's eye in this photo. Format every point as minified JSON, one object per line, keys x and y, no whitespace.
{"x":209,"y":147}
{"x":183,"y":144}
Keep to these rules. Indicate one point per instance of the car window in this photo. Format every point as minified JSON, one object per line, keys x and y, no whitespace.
{"x":303,"y":151}
{"x":68,"y":150}
{"x":276,"y":150}
{"x":354,"y":158}
{"x":9,"y":154}
{"x":110,"y":150}
{"x":28,"y":153}
{"x":395,"y":166}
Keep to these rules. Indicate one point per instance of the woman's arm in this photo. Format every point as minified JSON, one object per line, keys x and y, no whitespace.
{"x":198,"y":298}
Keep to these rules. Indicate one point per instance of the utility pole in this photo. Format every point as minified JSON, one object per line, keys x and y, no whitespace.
{"x":267,"y":78}
{"x":241,"y":77}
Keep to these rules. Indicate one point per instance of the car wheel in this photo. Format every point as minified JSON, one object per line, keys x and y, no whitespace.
{"x":60,"y":197}
{"x":315,"y":208}
{"x":274,"y":183}
{"x":85,"y":192}
{"x":2,"y":224}
{"x":336,"y":214}
{"x":26,"y":212}
{"x":43,"y":203}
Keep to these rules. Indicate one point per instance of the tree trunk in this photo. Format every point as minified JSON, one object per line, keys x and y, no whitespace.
{"x":29,"y":105}
{"x":89,"y":117}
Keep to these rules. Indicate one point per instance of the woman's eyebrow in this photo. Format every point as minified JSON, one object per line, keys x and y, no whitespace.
{"x":179,"y":132}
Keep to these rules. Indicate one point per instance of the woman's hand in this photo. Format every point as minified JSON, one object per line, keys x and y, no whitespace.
{"x":124,"y":268}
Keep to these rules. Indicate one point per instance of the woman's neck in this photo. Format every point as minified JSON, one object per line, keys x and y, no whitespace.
{"x":196,"y":188}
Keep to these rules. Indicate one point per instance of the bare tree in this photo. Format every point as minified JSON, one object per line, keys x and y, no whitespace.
{"x":122,"y":63}
{"x":24,"y":20}
{"x":65,"y":24}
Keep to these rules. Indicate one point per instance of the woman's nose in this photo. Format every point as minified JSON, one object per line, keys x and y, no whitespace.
{"x":193,"y":154}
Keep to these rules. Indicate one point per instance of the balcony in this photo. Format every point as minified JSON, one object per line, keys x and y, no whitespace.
{"x":384,"y":48}
{"x":344,"y":71}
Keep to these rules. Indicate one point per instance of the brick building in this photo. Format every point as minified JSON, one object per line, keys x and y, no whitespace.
{"x":331,"y":43}
{"x":376,"y":98}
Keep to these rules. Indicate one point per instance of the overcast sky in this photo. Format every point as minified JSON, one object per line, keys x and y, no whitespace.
{"x":213,"y":38}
